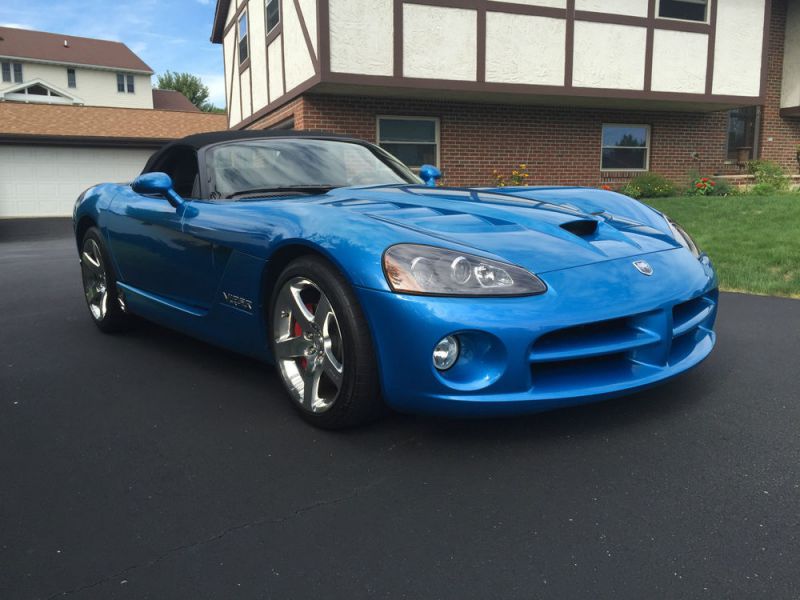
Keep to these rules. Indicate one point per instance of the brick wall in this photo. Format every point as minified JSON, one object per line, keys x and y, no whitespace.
{"x":779,"y":137}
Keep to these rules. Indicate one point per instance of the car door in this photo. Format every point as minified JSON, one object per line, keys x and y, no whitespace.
{"x":151,"y":249}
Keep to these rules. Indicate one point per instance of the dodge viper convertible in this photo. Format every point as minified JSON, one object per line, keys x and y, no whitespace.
{"x":367,"y":286}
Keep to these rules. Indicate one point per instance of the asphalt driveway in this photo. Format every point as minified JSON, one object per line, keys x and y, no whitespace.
{"x":150,"y":465}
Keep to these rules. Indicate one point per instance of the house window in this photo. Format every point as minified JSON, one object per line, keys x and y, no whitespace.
{"x":17,"y":72}
{"x":120,"y":82}
{"x":71,"y":78}
{"x":6,"y":71}
{"x":273,"y":14}
{"x":625,"y":147}
{"x":414,"y":140}
{"x":131,"y":89}
{"x":243,"y":49}
{"x":742,"y":133}
{"x":686,"y":10}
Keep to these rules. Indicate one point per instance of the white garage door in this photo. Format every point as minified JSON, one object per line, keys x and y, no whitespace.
{"x":44,"y":181}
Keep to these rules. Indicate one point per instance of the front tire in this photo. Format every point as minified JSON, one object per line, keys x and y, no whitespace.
{"x":323,"y":347}
{"x":103,"y":299}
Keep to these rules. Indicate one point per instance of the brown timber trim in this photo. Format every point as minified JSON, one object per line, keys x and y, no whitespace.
{"x":538,"y":90}
{"x":306,"y":36}
{"x":235,"y":19}
{"x":233,"y":70}
{"x":275,"y":31}
{"x":712,"y":48}
{"x":243,"y":66}
{"x":792,"y":112}
{"x":279,"y":102}
{"x":569,"y":44}
{"x":649,"y":43}
{"x":397,"y":37}
{"x":480,"y":74}
{"x":765,"y":47}
{"x":324,"y":37}
{"x":250,"y":74}
{"x":283,"y":53}
{"x":594,"y":17}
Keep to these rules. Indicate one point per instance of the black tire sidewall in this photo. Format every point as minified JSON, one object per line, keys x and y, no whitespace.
{"x":359,"y":397}
{"x":115,"y":319}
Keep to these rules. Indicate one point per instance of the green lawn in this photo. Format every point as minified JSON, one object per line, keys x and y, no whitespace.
{"x":754,"y":241}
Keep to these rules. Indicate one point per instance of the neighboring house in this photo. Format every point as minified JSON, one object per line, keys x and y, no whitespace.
{"x":76,"y":111}
{"x":583,"y":91}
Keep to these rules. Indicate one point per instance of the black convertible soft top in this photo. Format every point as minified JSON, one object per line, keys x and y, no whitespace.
{"x":201,"y":140}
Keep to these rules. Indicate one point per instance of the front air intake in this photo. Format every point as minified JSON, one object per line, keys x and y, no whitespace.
{"x":581,"y":228}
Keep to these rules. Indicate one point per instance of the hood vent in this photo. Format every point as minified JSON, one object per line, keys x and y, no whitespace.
{"x":582,"y":228}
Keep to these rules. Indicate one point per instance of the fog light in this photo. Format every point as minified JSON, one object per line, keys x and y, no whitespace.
{"x":445,"y":353}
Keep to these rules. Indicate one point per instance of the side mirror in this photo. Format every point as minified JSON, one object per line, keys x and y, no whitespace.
{"x":429,"y":175}
{"x":157,"y":183}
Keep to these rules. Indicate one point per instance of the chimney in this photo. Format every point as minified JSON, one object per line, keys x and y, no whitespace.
{"x":66,"y":44}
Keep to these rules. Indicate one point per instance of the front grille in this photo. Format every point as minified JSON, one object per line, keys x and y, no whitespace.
{"x":618,"y":350}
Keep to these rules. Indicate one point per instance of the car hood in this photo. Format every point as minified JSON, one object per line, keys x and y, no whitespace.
{"x":541,"y":229}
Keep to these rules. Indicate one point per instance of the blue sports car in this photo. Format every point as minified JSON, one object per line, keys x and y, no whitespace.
{"x":367,"y":286}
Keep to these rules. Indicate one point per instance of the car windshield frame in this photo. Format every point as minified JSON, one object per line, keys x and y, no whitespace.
{"x":399,"y":172}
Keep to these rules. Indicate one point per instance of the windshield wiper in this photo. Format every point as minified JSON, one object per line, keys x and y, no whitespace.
{"x":301,"y":189}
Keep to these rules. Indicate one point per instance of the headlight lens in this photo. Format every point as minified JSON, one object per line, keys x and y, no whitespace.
{"x":417,"y":269}
{"x":683,"y":238}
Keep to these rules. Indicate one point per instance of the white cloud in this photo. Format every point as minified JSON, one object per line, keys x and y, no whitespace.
{"x":216,"y":88}
{"x":17,"y":25}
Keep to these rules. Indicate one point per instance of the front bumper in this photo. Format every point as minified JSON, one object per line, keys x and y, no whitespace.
{"x":600,"y":331}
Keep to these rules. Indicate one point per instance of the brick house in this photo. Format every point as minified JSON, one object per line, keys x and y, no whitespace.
{"x":583,"y":91}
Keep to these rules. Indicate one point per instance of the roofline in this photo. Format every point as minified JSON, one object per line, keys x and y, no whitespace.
{"x":219,"y":21}
{"x":74,"y":64}
{"x":93,"y":141}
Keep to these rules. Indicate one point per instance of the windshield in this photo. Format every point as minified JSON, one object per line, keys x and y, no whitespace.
{"x":267,"y":164}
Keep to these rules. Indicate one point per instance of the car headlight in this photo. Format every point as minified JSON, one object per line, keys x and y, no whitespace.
{"x":683,"y":238}
{"x":416,"y":269}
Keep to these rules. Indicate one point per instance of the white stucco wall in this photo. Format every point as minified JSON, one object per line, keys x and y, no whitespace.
{"x":232,"y":86}
{"x":679,"y":61}
{"x":361,"y":36}
{"x":790,"y":96}
{"x":275,"y":69}
{"x":258,"y":55}
{"x":600,"y":64}
{"x":737,"y":56}
{"x":44,"y":181}
{"x":299,"y":66}
{"x":525,"y":49}
{"x":548,"y":3}
{"x":439,"y":43}
{"x":309,"y":10}
{"x":634,"y":8}
{"x":244,"y":86}
{"x":95,"y":87}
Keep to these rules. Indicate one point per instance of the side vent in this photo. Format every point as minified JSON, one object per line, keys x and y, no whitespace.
{"x":581,"y":228}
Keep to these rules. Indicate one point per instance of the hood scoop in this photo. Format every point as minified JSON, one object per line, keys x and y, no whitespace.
{"x":582,"y":227}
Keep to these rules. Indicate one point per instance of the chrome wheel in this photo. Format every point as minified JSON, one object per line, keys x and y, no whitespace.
{"x":308,"y":344}
{"x":95,"y":281}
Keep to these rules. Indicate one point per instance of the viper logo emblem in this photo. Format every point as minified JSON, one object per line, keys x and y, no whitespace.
{"x":643,"y":267}
{"x":238,"y":301}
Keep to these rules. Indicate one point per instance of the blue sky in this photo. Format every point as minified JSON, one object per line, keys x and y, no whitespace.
{"x":166,"y":34}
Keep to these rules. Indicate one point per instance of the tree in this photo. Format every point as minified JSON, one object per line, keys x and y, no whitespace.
{"x":190,"y":86}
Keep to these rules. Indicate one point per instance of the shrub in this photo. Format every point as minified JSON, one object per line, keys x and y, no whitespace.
{"x":649,"y":185}
{"x":724,"y":188}
{"x":769,"y":173}
{"x":519,"y":177}
{"x":702,"y":186}
{"x":763,"y":189}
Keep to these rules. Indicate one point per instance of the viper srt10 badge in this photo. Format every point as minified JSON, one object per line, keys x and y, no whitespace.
{"x":238,"y":301}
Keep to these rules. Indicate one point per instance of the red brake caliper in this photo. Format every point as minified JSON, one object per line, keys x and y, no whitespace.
{"x":298,"y":331}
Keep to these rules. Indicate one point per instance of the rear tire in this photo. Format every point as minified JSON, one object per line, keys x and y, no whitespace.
{"x":105,"y":303}
{"x":323,"y":347}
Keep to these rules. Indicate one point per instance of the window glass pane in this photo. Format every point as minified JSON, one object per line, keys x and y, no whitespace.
{"x":273,"y":14}
{"x":18,"y":72}
{"x":407,"y":130}
{"x":130,"y":84}
{"x":741,"y":131}
{"x":622,"y":135}
{"x":413,"y":155}
{"x":120,"y":82}
{"x":689,"y":10}
{"x":243,"y":26}
{"x":71,"y":78}
{"x":624,"y":158}
{"x":6,"y":71}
